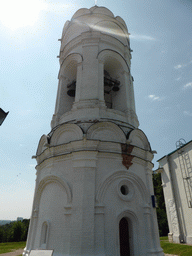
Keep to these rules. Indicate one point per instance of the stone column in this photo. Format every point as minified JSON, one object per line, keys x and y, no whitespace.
{"x":90,"y":74}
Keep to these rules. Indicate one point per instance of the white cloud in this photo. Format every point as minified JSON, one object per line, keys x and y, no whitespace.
{"x":179,"y":78}
{"x":154,"y":97}
{"x":187,"y":113}
{"x":142,"y":37}
{"x":183,"y":65}
{"x":188,"y":85}
{"x":178,"y":66}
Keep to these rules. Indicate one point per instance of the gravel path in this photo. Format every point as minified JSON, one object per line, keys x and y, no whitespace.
{"x":14,"y":253}
{"x":171,"y":255}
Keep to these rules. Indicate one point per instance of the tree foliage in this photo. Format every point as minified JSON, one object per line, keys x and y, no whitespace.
{"x":15,"y":231}
{"x":161,"y":210}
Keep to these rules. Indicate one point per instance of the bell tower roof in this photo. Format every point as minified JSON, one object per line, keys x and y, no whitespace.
{"x":98,"y":10}
{"x":97,"y":19}
{"x":94,"y":9}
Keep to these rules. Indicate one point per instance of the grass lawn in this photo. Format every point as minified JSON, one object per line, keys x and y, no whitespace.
{"x":9,"y":247}
{"x":172,"y":248}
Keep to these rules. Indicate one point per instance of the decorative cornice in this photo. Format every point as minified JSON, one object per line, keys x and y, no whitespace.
{"x":103,"y":38}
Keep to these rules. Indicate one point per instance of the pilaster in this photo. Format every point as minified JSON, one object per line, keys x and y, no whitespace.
{"x":83,"y":208}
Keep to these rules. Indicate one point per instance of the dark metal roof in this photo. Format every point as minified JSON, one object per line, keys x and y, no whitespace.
{"x":174,"y":150}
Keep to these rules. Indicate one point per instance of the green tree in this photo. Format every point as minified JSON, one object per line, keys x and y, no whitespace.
{"x":25,"y":223}
{"x":17,"y":231}
{"x":161,"y":211}
{"x":1,"y":234}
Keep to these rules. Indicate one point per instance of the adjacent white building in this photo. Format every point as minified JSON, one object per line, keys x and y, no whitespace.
{"x":94,"y":189}
{"x":176,"y":174}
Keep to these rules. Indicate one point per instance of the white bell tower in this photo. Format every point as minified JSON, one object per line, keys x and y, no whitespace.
{"x":94,"y":189}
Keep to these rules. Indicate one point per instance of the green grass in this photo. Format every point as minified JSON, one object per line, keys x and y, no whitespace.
{"x":9,"y":247}
{"x":172,"y":248}
{"x":164,"y":238}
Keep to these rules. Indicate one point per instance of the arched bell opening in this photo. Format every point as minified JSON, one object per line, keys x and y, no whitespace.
{"x":71,"y":74}
{"x":114,"y":84}
{"x":68,"y":78}
{"x":111,"y":85}
{"x":71,"y":89}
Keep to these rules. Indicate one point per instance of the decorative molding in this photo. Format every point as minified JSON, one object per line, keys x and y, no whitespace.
{"x":103,"y":54}
{"x":43,"y":144}
{"x":65,"y":134}
{"x":106,"y":131}
{"x":68,"y":209}
{"x":35,"y":213}
{"x":173,"y":215}
{"x":49,"y":179}
{"x":139,"y":139}
{"x":99,"y":209}
{"x":123,"y":175}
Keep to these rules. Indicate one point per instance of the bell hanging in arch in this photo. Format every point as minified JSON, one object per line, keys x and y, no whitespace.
{"x":72,"y":88}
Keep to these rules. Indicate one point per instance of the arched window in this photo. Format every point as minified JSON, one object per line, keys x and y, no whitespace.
{"x":124,"y":237}
{"x":44,"y":235}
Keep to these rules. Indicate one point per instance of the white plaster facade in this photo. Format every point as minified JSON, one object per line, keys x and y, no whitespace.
{"x":176,"y":174}
{"x":94,"y":168}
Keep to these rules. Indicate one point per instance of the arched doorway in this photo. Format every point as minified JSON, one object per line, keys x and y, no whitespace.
{"x":124,"y":237}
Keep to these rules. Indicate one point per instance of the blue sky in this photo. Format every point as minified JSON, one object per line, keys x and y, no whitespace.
{"x":161,"y":39}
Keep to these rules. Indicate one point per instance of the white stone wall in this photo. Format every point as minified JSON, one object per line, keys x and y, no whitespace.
{"x":176,"y":193}
{"x":79,"y":194}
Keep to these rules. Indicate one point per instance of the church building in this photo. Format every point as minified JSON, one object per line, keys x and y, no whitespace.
{"x":94,"y":193}
{"x":176,"y":175}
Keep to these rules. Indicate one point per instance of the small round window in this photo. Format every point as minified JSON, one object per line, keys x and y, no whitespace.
{"x":124,"y":190}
